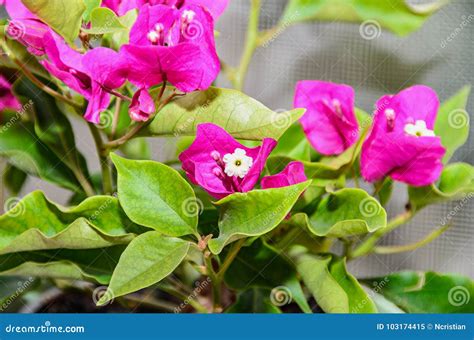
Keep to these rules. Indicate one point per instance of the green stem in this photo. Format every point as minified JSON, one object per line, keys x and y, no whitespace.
{"x":233,"y":252}
{"x":216,"y":284}
{"x":251,"y":44}
{"x":189,"y":299}
{"x":28,"y":74}
{"x":103,"y":159}
{"x":368,"y":245}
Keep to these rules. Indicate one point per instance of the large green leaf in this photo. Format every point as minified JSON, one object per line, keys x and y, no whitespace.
{"x":24,"y":150}
{"x":456,"y":183}
{"x":253,"y":213}
{"x":94,"y":265}
{"x":333,"y":288}
{"x":51,"y":125}
{"x":293,"y":143}
{"x":240,"y":115}
{"x":64,"y":16}
{"x":346,"y":212}
{"x":259,"y":265}
{"x":147,"y":260}
{"x":417,"y":292}
{"x":35,"y":223}
{"x":254,"y":300}
{"x":156,"y":196}
{"x":395,"y":15}
{"x":452,"y":123}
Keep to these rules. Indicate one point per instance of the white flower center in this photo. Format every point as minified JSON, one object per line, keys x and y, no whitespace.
{"x":237,"y":163}
{"x":155,"y":35}
{"x":418,"y":129}
{"x":188,"y":16}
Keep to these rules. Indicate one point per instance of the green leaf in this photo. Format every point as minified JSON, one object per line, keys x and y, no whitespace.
{"x":383,"y":305}
{"x":253,"y":213}
{"x":325,"y":168}
{"x":430,"y":292}
{"x":259,"y":265}
{"x":35,"y":223}
{"x":395,"y":15}
{"x":147,"y":260}
{"x":241,"y":116}
{"x":333,"y":288}
{"x":452,"y":123}
{"x":94,"y":265}
{"x":456,"y":183}
{"x":137,"y":148}
{"x":14,"y":179}
{"x":156,"y":196}
{"x":12,"y":290}
{"x":20,"y":145}
{"x":293,"y":143}
{"x":51,"y":125}
{"x":103,"y":20}
{"x":90,"y":6}
{"x":65,"y":17}
{"x":346,"y":212}
{"x":254,"y":300}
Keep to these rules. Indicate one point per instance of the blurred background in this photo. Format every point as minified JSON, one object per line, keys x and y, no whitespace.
{"x":439,"y":55}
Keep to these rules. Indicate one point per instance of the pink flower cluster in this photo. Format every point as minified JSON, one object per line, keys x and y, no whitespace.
{"x":401,"y":143}
{"x":221,"y":165}
{"x":171,"y":40}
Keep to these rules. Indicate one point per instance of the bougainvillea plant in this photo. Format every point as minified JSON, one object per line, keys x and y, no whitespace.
{"x":259,"y":211}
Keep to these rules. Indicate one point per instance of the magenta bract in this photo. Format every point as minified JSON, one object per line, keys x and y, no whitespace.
{"x":292,"y":174}
{"x":7,"y":98}
{"x":329,"y":123}
{"x":401,"y":143}
{"x":173,"y":45}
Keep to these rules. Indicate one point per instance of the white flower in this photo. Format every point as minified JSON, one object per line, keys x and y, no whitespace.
{"x":418,"y":129}
{"x":237,"y":163}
